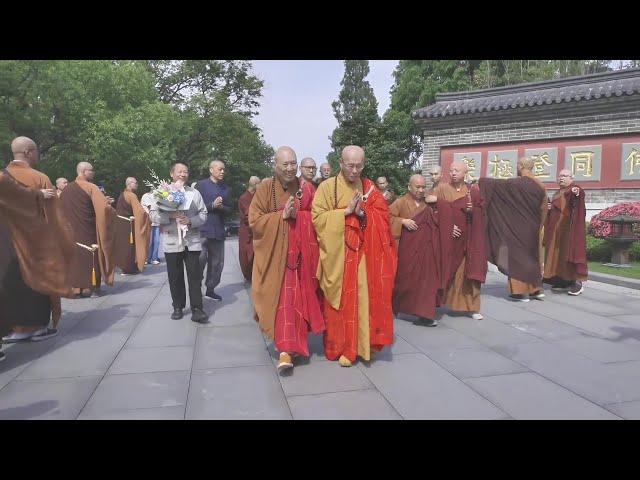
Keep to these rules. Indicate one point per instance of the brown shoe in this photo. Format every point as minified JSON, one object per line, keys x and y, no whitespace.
{"x":285,"y":362}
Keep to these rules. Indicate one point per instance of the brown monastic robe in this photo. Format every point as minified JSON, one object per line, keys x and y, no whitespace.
{"x":403,"y":208}
{"x":270,"y":243}
{"x":420,"y":284}
{"x":516,"y":210}
{"x":462,"y":294}
{"x":564,"y":234}
{"x":245,"y":236}
{"x":92,"y":220}
{"x":34,"y":253}
{"x":32,"y":178}
{"x":132,"y":236}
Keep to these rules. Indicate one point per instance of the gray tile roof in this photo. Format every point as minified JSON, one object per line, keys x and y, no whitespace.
{"x":586,"y":88}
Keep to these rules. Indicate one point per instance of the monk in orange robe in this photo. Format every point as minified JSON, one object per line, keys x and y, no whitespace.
{"x":92,"y":221}
{"x":516,"y":210}
{"x":284,"y":287}
{"x":245,"y":236}
{"x":565,"y":265}
{"x":357,"y":261}
{"x":35,"y":250}
{"x":133,"y":231}
{"x":467,"y":266}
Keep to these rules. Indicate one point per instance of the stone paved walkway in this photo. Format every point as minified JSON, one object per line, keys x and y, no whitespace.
{"x":121,"y":357}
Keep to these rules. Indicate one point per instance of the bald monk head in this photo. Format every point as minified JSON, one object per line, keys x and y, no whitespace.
{"x":457,"y":172}
{"x":565,"y":178}
{"x":352,"y":162}
{"x":131,"y":184}
{"x":286,"y":165}
{"x":325,"y":171}
{"x":417,"y":187}
{"x":61,"y":183}
{"x":308,"y":169}
{"x":525,"y":164}
{"x":25,"y":149}
{"x":382,"y":184}
{"x":435,"y":172}
{"x":216,"y":169}
{"x":85,"y":170}
{"x":253,"y":184}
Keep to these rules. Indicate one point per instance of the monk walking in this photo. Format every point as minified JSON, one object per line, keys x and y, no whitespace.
{"x":92,"y":221}
{"x":34,"y":250}
{"x":284,"y":286}
{"x":60,"y":184}
{"x":419,"y":284}
{"x":516,"y":210}
{"x":325,"y":172}
{"x":133,"y":231}
{"x":245,"y":236}
{"x":466,"y":267}
{"x":357,"y":262}
{"x":565,"y":265}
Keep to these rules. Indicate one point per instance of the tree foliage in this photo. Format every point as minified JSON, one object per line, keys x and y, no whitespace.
{"x":128,"y":116}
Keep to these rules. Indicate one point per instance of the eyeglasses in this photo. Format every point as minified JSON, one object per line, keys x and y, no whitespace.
{"x":353,"y":167}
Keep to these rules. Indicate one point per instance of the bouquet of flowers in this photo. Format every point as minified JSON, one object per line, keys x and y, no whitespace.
{"x":169,"y":196}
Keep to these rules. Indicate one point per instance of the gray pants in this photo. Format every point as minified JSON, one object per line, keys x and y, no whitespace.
{"x":212,"y":257}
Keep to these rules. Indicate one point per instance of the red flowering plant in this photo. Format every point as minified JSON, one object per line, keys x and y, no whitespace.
{"x":601,"y":229}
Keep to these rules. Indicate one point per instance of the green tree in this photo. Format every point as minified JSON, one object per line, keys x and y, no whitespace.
{"x":356,"y":111}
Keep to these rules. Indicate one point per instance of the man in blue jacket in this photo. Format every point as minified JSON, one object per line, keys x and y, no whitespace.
{"x":216,"y":195}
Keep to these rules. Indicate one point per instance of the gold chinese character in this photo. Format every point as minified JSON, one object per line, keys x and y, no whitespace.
{"x":501,"y":168}
{"x":540,"y":164}
{"x":471,"y":166}
{"x":634,"y":160}
{"x":582,"y":163}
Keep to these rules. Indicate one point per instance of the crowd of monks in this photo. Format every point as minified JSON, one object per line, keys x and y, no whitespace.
{"x":343,"y":256}
{"x":340,"y":255}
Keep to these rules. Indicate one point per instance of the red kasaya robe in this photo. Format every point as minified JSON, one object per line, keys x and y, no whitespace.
{"x":299,"y":304}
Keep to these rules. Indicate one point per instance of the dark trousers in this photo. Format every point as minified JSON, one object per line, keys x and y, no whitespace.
{"x":175,"y":269}
{"x":212,"y":257}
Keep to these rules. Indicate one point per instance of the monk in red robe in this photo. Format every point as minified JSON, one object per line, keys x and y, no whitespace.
{"x":565,"y":265}
{"x":284,"y":287}
{"x":245,"y":236}
{"x":308,"y":172}
{"x":357,"y":261}
{"x":419,"y":284}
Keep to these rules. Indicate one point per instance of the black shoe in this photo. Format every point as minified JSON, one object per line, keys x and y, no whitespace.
{"x":213,"y":296}
{"x":199,"y":316}
{"x":426,"y":322}
{"x":177,"y":314}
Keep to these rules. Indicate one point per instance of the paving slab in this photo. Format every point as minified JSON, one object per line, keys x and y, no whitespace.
{"x":322,"y":377}
{"x":51,"y":399}
{"x":140,"y":390}
{"x":152,"y":359}
{"x":602,"y":350}
{"x":240,"y":345}
{"x":355,"y":405}
{"x":242,"y":393}
{"x":161,"y":413}
{"x":418,"y":388}
{"x":161,"y":331}
{"x":528,"y":396}
{"x":474,"y":362}
{"x":626,"y":410}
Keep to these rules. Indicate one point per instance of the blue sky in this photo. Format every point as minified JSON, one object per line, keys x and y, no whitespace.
{"x":296,"y":103}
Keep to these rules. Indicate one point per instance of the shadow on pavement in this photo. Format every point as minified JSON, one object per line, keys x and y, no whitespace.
{"x":28,"y":411}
